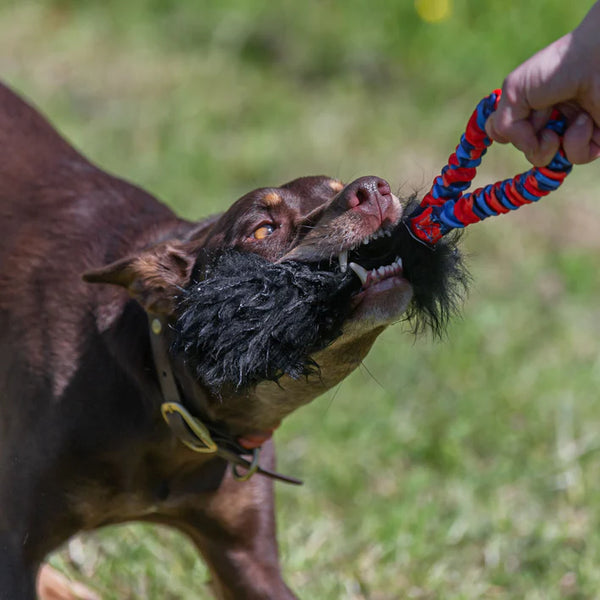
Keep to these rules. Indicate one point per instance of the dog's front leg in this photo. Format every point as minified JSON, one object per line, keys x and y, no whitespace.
{"x":244,"y":569}
{"x":235,"y":532}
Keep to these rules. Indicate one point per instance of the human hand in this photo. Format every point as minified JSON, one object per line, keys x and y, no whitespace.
{"x":566,"y":75}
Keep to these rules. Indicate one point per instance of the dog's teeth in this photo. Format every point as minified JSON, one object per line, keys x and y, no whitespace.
{"x":398,"y":261}
{"x":361,"y":272}
{"x":388,"y":233}
{"x":343,"y":258}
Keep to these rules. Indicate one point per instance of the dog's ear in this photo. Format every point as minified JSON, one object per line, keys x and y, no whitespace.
{"x":154,"y":277}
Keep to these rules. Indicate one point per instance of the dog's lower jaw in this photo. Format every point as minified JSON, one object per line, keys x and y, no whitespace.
{"x":381,"y":304}
{"x":269,"y":402}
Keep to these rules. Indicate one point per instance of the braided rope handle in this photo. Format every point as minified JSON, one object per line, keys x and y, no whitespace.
{"x":445,"y":207}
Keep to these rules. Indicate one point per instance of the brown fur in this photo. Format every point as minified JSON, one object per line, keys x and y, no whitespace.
{"x":82,"y":441}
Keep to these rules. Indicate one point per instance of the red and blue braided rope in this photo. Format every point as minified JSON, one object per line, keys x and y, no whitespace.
{"x":445,"y":207}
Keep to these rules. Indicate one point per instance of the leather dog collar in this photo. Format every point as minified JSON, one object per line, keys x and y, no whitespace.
{"x":198,"y":435}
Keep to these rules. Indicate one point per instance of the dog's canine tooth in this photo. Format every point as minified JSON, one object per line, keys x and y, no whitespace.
{"x":361,"y":272}
{"x":343,"y":258}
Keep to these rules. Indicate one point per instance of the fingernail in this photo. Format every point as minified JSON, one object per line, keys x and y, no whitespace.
{"x":547,"y":136}
{"x":489,"y":127}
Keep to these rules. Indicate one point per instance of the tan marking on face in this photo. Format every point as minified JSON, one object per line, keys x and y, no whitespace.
{"x":272,"y":199}
{"x":336,"y":186}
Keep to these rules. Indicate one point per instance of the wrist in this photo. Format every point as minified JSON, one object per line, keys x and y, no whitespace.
{"x":585,"y":35}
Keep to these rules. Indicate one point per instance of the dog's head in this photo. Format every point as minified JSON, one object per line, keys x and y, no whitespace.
{"x":282,"y":296}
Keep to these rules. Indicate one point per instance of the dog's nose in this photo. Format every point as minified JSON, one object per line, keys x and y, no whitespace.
{"x":365,"y":190}
{"x":368,"y":195}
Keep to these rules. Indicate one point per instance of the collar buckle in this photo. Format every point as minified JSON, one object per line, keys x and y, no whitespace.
{"x":190,"y":430}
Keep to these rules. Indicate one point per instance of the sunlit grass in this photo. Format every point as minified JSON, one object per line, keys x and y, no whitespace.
{"x":460,"y":468}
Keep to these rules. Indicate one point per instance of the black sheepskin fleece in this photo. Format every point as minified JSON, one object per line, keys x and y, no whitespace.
{"x":250,"y":320}
{"x":243,"y":320}
{"x":438,"y":275}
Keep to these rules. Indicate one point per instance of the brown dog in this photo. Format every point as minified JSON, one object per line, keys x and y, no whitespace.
{"x":83,"y":442}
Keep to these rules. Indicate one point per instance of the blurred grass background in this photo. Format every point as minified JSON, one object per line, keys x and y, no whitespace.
{"x":467,"y":468}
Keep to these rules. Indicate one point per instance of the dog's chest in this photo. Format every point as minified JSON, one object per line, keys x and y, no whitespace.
{"x":153,"y":484}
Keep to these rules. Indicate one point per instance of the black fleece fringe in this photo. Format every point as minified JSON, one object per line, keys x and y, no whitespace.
{"x":243,"y":319}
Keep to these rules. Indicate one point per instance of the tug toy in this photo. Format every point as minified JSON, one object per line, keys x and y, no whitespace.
{"x":243,"y":319}
{"x":445,"y":207}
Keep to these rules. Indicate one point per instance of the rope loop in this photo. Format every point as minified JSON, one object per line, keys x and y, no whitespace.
{"x":445,"y":207}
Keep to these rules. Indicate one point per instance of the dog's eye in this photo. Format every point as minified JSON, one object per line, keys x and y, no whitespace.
{"x":263,"y":231}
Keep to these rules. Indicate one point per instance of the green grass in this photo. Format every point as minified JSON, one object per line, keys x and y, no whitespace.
{"x":462,"y":468}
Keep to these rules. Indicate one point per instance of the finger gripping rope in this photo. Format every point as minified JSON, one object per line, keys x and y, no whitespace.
{"x":445,"y":207}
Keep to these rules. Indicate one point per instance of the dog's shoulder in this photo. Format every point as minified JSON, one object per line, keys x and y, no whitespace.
{"x":29,"y":145}
{"x":51,"y":190}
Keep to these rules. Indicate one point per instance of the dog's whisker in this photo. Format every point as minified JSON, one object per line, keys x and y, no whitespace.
{"x":333,"y":396}
{"x":372,"y":376}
